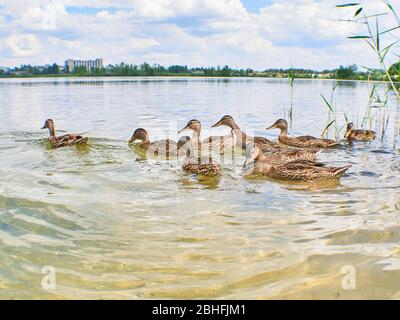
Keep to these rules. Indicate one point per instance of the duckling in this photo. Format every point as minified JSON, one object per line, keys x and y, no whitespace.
{"x":162,"y":148}
{"x":243,"y":138}
{"x":202,"y":166}
{"x":358,"y":134}
{"x":220,"y":143}
{"x":301,"y":141}
{"x":64,"y":140}
{"x":302,"y":170}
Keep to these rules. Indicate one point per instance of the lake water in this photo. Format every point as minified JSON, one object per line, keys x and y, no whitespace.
{"x":115,"y":227}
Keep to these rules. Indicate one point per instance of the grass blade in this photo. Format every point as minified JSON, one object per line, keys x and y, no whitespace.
{"x":327,"y":103}
{"x":326,"y":128}
{"x":347,"y":5}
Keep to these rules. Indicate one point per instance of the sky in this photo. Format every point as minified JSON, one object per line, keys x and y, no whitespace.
{"x":258,"y":34}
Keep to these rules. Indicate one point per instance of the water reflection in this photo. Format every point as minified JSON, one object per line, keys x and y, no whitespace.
{"x":117,"y":226}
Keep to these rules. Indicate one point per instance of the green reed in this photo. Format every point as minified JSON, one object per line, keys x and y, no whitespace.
{"x":383,"y":43}
{"x":331,"y":107}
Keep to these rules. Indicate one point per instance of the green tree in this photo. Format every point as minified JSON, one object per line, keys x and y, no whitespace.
{"x":349,"y":72}
{"x":80,"y":71}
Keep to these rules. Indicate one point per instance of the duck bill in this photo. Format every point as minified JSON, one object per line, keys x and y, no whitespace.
{"x":183,"y":129}
{"x":271,"y":127}
{"x":133,"y":140}
{"x":218,"y":124}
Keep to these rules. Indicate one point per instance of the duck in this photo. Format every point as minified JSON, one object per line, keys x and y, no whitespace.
{"x":242,"y":138}
{"x":166,"y":148}
{"x":277,"y":153}
{"x":202,"y":166}
{"x":286,"y":155}
{"x":301,"y":141}
{"x":220,"y":143}
{"x":64,"y":140}
{"x":257,"y":164}
{"x":358,"y":134}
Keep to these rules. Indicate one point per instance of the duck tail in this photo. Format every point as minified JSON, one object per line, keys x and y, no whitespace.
{"x":83,"y":140}
{"x":334,"y":144}
{"x":339,"y":172}
{"x":318,"y":151}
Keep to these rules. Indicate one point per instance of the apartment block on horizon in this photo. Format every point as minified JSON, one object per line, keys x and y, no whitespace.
{"x":89,"y":65}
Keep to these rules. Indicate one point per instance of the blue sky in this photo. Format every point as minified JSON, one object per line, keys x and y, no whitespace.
{"x":251,"y":5}
{"x":255,"y":5}
{"x":241,"y":33}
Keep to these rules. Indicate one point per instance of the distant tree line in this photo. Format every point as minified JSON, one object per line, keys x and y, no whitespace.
{"x":343,"y":72}
{"x":38,"y":70}
{"x":145,"y":69}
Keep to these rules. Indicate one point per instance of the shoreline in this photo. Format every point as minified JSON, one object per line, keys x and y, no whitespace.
{"x":184,"y":76}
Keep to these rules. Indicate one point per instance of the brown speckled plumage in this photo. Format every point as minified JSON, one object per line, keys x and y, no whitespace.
{"x":285,"y":155}
{"x":276,"y":153}
{"x":64,"y":140}
{"x":301,"y":141}
{"x":203,"y":166}
{"x":302,"y":170}
{"x":358,"y":134}
{"x":162,"y":148}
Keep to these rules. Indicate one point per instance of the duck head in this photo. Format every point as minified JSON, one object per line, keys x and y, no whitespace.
{"x":279,"y":124}
{"x":139,"y":136}
{"x":350,"y":127}
{"x":193,"y":125}
{"x":49,"y":124}
{"x":226,"y":121}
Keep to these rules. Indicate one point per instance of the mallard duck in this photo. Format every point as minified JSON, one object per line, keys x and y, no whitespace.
{"x":64,"y":140}
{"x":203,"y":166}
{"x":162,"y":148}
{"x":277,"y":153}
{"x":301,"y":141}
{"x":358,"y":134}
{"x":220,"y":143}
{"x":242,"y":138}
{"x":302,"y":170}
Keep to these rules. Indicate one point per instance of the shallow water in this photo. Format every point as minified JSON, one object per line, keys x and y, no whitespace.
{"x":116,"y":227}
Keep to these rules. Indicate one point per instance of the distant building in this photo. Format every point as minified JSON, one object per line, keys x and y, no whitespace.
{"x":89,"y":65}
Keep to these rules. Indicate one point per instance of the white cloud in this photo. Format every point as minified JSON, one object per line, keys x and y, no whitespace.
{"x":305,"y":33}
{"x":191,"y":8}
{"x":25,"y":45}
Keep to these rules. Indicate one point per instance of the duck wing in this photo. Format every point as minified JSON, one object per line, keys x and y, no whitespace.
{"x":302,"y":165}
{"x":365,"y":134}
{"x":69,"y":140}
{"x":285,"y":155}
{"x":265,"y":144}
{"x":310,"y":141}
{"x":202,"y":166}
{"x":307,"y":171}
